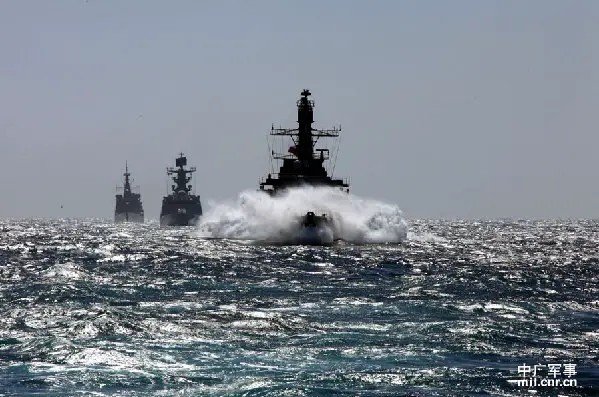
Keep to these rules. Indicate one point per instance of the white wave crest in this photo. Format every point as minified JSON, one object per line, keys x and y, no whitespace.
{"x":258,"y":216}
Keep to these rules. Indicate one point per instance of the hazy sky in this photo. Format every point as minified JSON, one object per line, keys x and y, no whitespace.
{"x":448,"y":108}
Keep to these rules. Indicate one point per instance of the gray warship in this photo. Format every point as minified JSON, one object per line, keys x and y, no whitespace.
{"x":128,"y":206}
{"x":303,"y":164}
{"x":181,"y":207}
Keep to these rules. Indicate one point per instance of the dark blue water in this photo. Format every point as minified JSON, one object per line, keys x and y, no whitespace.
{"x":94,"y":309}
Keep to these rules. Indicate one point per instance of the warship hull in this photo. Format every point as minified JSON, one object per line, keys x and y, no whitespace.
{"x":312,"y":229}
{"x":128,"y":217}
{"x":313,"y":235}
{"x":179,"y":220}
{"x":183,"y":214}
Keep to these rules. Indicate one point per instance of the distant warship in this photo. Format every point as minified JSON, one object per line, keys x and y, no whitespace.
{"x":180,"y":208}
{"x":304,"y":165}
{"x":128,"y":204}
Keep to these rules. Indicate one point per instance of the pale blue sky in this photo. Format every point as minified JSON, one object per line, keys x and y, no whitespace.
{"x":449,"y":108}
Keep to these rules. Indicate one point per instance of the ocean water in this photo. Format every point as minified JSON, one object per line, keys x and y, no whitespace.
{"x":89,"y":308}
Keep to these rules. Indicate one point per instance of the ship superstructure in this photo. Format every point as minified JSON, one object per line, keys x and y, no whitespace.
{"x":181,"y":207}
{"x":129,"y":207}
{"x":303,"y":164}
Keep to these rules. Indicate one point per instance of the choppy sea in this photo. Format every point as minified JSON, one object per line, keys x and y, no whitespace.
{"x":459,"y":308}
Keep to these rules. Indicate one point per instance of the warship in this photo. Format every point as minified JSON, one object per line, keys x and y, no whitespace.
{"x":303,"y":164}
{"x":128,"y":204}
{"x":181,"y":207}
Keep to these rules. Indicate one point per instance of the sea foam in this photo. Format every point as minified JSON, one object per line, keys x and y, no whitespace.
{"x":258,"y":216}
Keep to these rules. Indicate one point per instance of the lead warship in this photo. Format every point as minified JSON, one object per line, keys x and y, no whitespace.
{"x":303,"y":164}
{"x":181,"y":207}
{"x":128,"y":204}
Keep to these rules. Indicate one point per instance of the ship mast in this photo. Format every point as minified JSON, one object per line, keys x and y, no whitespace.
{"x":305,"y":118}
{"x":303,"y":136}
{"x":181,"y":177}
{"x":127,"y":186}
